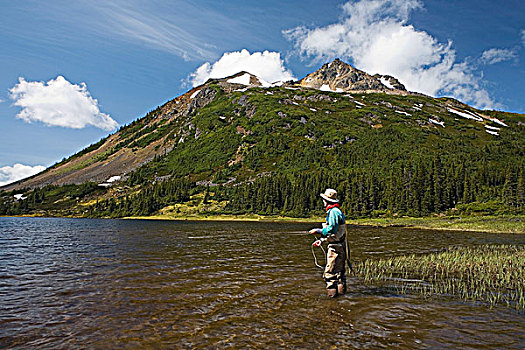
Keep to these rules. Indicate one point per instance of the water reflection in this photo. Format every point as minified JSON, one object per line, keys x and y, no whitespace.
{"x":75,"y":283}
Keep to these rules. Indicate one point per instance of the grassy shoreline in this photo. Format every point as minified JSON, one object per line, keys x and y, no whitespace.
{"x":491,"y":224}
{"x":244,"y":217}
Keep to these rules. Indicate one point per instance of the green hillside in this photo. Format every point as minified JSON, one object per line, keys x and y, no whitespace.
{"x":271,"y":151}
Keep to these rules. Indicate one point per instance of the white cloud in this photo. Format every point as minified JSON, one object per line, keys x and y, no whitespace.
{"x":375,"y":36}
{"x":266,"y":65}
{"x":494,"y":55}
{"x":59,"y":103}
{"x":9,"y":174}
{"x":523,"y":36}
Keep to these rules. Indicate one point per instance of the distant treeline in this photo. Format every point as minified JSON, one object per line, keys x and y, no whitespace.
{"x":147,"y":201}
{"x":414,"y":188}
{"x":48,"y":200}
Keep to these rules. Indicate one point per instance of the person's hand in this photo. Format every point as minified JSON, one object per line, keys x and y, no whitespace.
{"x":317,"y":243}
{"x":313,"y":231}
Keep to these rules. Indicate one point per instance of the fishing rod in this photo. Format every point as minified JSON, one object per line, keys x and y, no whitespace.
{"x":347,"y":248}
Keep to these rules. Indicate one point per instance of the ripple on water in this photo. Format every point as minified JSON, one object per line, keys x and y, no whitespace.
{"x":67,"y":283}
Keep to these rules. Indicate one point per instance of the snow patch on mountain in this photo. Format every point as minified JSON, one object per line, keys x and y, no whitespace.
{"x":433,"y":121}
{"x":195,"y":94}
{"x":465,"y":114}
{"x":114,"y":178}
{"x":386,"y":83}
{"x":497,"y":121}
{"x":248,"y":79}
{"x":326,"y":87}
{"x":243,"y":79}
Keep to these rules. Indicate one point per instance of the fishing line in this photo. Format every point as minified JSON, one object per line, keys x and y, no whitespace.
{"x":347,"y":249}
{"x":315,"y":257}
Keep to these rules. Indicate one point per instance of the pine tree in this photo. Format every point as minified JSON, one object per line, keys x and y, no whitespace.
{"x":520,"y":192}
{"x":439,"y":204}
{"x":206,"y":199}
{"x":509,"y":189}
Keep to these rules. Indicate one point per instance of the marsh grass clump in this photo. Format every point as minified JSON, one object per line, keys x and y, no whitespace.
{"x":491,"y":273}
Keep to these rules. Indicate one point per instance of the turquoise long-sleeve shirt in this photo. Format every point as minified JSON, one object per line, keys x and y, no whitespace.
{"x":334,"y":218}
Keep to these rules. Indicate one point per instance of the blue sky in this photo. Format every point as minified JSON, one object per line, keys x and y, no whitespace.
{"x":72,"y":71}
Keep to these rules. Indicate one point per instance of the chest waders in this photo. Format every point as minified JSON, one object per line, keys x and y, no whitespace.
{"x":337,"y":258}
{"x":341,"y":236}
{"x":342,"y":233}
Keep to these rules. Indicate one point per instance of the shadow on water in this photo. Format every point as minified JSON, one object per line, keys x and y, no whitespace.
{"x":77,"y":283}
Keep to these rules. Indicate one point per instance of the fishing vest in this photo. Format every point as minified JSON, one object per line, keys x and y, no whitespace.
{"x":339,"y":236}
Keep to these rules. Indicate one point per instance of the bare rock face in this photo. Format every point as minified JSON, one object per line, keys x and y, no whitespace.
{"x":390,"y":82}
{"x":204,"y":96}
{"x":339,"y":76}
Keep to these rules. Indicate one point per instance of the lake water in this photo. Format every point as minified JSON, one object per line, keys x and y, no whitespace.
{"x":82,"y":283}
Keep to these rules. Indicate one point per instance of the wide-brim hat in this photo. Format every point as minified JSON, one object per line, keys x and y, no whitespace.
{"x":330,"y":195}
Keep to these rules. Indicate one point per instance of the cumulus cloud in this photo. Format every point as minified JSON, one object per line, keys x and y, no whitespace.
{"x":59,"y":103}
{"x":9,"y":174}
{"x":374,"y":35}
{"x":494,"y":55}
{"x":266,"y":65}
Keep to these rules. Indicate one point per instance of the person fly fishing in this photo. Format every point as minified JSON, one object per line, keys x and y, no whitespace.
{"x":334,"y":233}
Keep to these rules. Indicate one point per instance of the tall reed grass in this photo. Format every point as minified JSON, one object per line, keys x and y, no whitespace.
{"x":490,"y":273}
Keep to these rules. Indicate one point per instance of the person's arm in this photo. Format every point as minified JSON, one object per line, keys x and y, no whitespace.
{"x":315,"y":231}
{"x":320,"y":240}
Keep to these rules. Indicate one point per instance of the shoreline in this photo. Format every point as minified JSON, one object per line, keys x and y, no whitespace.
{"x":512,"y":224}
{"x":489,"y":224}
{"x":236,"y":218}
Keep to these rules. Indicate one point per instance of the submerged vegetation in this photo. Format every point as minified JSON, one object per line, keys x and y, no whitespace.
{"x":489,"y":273}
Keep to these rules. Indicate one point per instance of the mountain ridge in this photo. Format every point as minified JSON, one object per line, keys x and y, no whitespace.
{"x":241,"y":131}
{"x":195,"y":98}
{"x":335,"y":76}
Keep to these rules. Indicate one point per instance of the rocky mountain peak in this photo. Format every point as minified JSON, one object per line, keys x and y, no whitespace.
{"x":244,"y":78}
{"x":342,"y":77}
